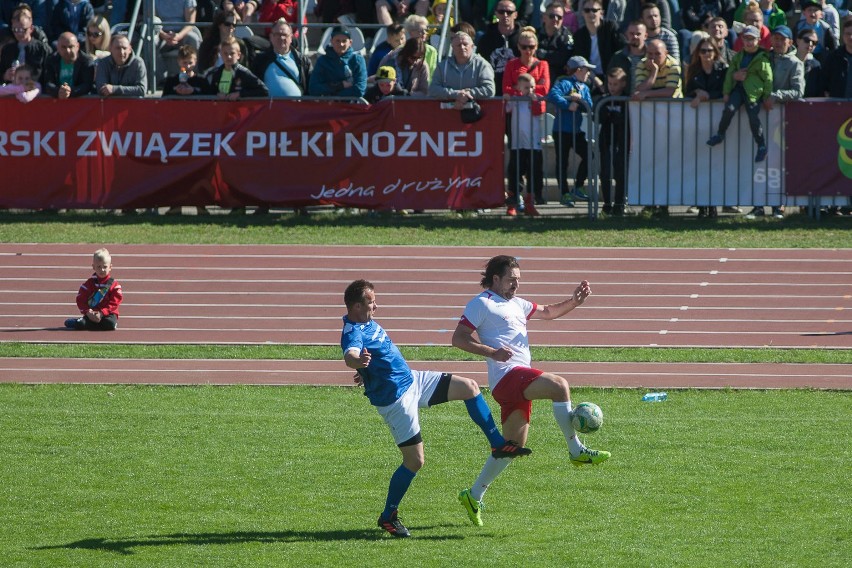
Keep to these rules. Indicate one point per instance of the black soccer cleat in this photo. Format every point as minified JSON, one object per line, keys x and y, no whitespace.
{"x":394,"y":526}
{"x":510,"y":449}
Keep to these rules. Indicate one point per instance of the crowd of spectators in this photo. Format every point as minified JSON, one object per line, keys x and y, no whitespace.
{"x":606,"y":33}
{"x":574,"y":53}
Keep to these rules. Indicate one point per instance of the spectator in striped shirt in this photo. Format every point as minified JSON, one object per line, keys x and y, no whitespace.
{"x":658,"y":74}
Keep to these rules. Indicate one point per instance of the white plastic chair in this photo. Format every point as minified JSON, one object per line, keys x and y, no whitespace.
{"x":139,"y":38}
{"x":547,"y":128}
{"x":243,"y":32}
{"x":381,"y":35}
{"x":324,"y":40}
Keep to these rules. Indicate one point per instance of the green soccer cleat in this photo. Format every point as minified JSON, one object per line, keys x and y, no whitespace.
{"x":590,"y":457}
{"x":472,"y":506}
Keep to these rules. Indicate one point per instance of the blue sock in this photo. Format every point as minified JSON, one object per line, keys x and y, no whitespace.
{"x":481,"y":415}
{"x":399,"y":483}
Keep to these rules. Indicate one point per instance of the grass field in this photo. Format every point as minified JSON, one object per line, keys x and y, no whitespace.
{"x":295,"y":476}
{"x":795,"y":231}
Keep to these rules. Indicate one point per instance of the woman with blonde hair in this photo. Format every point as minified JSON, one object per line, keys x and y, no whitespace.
{"x":527,"y":63}
{"x":98,"y":37}
{"x":522,"y":121}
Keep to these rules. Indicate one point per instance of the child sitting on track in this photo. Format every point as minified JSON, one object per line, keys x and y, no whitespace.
{"x":98,"y":298}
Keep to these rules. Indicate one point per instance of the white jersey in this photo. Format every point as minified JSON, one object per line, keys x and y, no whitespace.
{"x":501,"y":323}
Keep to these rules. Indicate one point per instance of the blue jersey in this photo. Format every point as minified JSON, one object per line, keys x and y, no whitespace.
{"x":388,"y":376}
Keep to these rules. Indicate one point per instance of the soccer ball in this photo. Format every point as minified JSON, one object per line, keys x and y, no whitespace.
{"x":587,"y":417}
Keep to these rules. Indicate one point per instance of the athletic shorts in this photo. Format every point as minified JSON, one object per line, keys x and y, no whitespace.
{"x":509,"y":392}
{"x":403,"y":417}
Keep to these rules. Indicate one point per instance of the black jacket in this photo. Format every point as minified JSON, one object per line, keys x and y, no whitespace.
{"x":555,"y":50}
{"x":609,"y":41}
{"x":35,"y":55}
{"x":245,"y":82}
{"x":813,"y":78}
{"x":695,"y":12}
{"x":374,"y":94}
{"x":82,"y":79}
{"x":199,"y":84}
{"x":264,"y":59}
{"x":834,"y":70}
{"x":711,"y":83}
{"x":497,"y":49}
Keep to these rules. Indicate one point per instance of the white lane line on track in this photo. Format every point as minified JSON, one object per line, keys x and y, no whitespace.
{"x":760,"y":255}
{"x":389,"y":270}
{"x":448,"y":319}
{"x":348,"y":373}
{"x":577,"y":327}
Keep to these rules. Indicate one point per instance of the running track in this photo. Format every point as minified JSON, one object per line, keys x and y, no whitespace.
{"x":293,"y":294}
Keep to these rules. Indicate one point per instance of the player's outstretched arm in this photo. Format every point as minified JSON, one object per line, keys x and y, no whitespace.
{"x":464,"y":339}
{"x":355,"y":359}
{"x":553,"y":311}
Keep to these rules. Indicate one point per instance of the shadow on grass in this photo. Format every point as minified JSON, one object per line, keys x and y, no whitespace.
{"x":127,"y":546}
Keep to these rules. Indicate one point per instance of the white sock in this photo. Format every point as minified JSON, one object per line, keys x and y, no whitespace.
{"x":492,"y":468}
{"x":562,"y":413}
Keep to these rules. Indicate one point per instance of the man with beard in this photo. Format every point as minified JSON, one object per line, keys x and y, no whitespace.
{"x":494,"y":326}
{"x":629,"y":57}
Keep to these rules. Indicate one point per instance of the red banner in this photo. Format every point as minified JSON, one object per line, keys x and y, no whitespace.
{"x":818,"y":158}
{"x":116,"y":153}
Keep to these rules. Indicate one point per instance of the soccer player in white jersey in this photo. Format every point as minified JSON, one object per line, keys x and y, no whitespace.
{"x":398,"y":392}
{"x":494,"y":325}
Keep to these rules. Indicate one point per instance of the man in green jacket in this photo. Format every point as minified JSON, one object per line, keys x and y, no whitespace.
{"x":749,"y":82}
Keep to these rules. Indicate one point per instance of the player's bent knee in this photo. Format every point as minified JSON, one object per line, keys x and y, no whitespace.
{"x":461,"y":388}
{"x":549,"y":386}
{"x":471,"y":385}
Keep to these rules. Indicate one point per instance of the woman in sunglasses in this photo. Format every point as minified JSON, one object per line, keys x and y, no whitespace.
{"x":97,"y":37}
{"x":525,"y":158}
{"x":705,"y":77}
{"x":806,"y":41}
{"x":224,"y":27}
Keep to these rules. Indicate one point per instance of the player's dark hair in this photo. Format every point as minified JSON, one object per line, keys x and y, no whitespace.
{"x":354,"y":293}
{"x":497,"y":266}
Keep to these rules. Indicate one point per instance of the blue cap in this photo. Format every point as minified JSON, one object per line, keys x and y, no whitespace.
{"x":750,"y":31}
{"x":784,"y":31}
{"x":340,"y":30}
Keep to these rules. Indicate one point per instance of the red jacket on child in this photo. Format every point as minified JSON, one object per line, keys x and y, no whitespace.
{"x":100,"y":295}
{"x":539,"y":71}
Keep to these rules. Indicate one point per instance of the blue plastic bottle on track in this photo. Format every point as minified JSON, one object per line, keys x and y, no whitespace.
{"x":655,"y":397}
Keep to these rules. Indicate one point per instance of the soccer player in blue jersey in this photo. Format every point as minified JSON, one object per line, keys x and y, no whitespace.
{"x":398,"y":392}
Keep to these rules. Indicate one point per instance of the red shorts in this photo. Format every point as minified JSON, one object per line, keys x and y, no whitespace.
{"x":509,"y":392}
